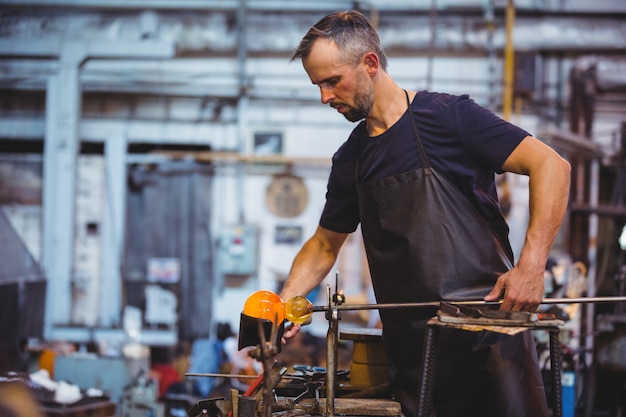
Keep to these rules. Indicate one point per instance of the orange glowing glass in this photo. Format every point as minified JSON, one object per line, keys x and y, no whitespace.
{"x":267,"y":305}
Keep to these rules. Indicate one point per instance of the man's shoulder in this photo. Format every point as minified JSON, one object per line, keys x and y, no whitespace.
{"x":353,"y":144}
{"x":430,"y":98}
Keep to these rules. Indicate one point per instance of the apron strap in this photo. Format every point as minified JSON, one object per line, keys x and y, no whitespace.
{"x":418,"y":140}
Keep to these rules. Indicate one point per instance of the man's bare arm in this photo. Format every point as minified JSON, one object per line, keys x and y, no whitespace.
{"x":313,"y":262}
{"x":310,"y":266}
{"x":549,"y":179}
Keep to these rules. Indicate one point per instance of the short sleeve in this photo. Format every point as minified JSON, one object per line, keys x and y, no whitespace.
{"x":486,"y":136}
{"x":341,"y":211}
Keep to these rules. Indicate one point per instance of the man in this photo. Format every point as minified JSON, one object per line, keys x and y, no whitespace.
{"x":418,"y":175}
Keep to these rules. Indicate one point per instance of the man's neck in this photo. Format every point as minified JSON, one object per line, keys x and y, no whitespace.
{"x":390,"y":103}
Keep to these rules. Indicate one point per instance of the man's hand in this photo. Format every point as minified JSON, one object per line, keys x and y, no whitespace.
{"x":522,"y":291}
{"x":290,"y":332}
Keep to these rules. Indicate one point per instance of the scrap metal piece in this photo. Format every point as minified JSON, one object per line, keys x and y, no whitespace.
{"x":310,"y":388}
{"x":211,"y":407}
{"x":455,"y":310}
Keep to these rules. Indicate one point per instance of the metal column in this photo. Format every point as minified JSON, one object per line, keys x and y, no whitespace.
{"x":113,"y":228}
{"x":63,"y":103}
{"x":61,"y":149}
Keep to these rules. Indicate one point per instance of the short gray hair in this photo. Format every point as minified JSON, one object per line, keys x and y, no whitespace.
{"x":350,"y":31}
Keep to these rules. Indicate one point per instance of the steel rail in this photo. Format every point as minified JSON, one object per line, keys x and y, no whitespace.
{"x":213,"y":375}
{"x":221,"y":375}
{"x":581,"y":300}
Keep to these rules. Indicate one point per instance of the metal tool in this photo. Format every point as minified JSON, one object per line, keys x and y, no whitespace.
{"x":477,"y":313}
{"x":212,"y":407}
{"x":332,"y":347}
{"x":212,"y":375}
{"x":310,"y":388}
{"x":581,"y":300}
{"x":493,"y":314}
{"x":335,"y":306}
{"x":266,"y":351}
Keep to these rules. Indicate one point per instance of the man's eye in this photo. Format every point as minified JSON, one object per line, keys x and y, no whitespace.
{"x":329,"y":83}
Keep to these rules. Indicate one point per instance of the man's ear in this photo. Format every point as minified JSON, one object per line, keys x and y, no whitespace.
{"x":370,"y":59}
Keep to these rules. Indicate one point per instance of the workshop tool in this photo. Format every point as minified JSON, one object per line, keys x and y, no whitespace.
{"x":268,"y":341}
{"x":332,"y":344}
{"x":255,"y":385}
{"x":336,"y":304}
{"x":263,"y":309}
{"x":218,"y":375}
{"x":491,"y":315}
{"x":265,"y":353}
{"x":463,"y":317}
{"x":309,"y":388}
{"x":212,"y":407}
{"x":350,"y":307}
{"x":234,"y":399}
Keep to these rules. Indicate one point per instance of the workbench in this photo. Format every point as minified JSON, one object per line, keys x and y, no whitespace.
{"x":94,"y":408}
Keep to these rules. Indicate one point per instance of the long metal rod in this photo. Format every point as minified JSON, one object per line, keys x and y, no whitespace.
{"x":214,"y":375}
{"x":222,"y":375}
{"x":582,"y":300}
{"x":346,"y":307}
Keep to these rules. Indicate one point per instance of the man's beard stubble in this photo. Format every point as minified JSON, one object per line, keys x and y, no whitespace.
{"x":363,"y":101}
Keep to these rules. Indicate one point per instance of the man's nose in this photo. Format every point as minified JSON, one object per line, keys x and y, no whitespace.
{"x":326,"y":95}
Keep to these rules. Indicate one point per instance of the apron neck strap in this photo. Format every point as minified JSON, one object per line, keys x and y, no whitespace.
{"x":418,"y":140}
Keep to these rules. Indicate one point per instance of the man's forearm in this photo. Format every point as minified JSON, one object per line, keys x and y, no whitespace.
{"x":548,"y":205}
{"x":308,"y":270}
{"x":313,"y":263}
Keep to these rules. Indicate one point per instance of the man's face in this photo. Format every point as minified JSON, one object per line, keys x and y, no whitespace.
{"x":346,"y":88}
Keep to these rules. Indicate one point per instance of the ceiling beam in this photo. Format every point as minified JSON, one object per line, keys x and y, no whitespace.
{"x":45,"y":48}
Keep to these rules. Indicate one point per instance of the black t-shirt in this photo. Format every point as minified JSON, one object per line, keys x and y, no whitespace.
{"x":462,"y":140}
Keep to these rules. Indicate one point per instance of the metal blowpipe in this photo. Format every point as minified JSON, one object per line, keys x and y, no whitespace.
{"x":582,"y":300}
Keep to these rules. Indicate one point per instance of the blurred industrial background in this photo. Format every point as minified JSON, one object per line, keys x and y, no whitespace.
{"x":160,"y":160}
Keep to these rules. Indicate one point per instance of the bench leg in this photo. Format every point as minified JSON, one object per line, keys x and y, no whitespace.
{"x":425,"y":398}
{"x":555,"y":364}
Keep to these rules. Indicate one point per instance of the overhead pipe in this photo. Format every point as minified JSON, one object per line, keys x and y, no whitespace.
{"x":491,"y":53}
{"x":204,"y":5}
{"x":242,"y":103}
{"x":509,"y":62}
{"x":432,"y":45}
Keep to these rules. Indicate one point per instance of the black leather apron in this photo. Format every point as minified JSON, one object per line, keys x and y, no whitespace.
{"x":425,"y":241}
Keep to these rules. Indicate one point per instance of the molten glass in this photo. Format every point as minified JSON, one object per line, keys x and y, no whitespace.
{"x":298,"y":309}
{"x":265,"y":305}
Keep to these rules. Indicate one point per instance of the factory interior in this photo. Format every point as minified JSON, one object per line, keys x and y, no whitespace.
{"x":163,"y":160}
